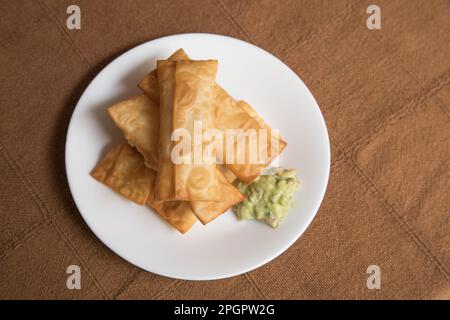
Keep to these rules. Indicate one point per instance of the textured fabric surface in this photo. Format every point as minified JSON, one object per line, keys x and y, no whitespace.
{"x":385,"y":95}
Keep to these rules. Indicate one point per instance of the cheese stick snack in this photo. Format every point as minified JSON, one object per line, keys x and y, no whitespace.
{"x":240,"y":115}
{"x":124,"y":171}
{"x":150,"y":84}
{"x":230,"y":114}
{"x":205,"y":211}
{"x":138,"y":119}
{"x":186,"y":96}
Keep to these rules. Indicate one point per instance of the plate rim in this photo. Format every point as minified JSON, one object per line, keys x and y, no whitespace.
{"x":267,"y":259}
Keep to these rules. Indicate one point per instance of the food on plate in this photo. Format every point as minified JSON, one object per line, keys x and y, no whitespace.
{"x":206,"y":211}
{"x":186,"y":95}
{"x":138,"y":118}
{"x":269,"y":197}
{"x":124,"y":171}
{"x":163,"y":164}
{"x":150,"y":84}
{"x":230,"y":114}
{"x":240,"y":115}
{"x":176,"y":213}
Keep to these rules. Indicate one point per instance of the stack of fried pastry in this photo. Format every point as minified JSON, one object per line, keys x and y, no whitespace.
{"x":178,"y":93}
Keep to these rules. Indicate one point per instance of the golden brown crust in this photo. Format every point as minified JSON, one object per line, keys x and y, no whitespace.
{"x":193,"y":102}
{"x":185,"y":97}
{"x":240,"y":115}
{"x":206,"y":211}
{"x":186,"y":92}
{"x":102,"y":169}
{"x":177,"y":213}
{"x":230,"y":114}
{"x":138,"y":118}
{"x":150,"y":83}
{"x":124,"y":171}
{"x":165,"y":179}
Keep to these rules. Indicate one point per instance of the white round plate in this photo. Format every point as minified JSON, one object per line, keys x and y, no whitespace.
{"x":226,"y":246}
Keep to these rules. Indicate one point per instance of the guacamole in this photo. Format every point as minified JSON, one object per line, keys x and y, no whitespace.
{"x":268,"y":198}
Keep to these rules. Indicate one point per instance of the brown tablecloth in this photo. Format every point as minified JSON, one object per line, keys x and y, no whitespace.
{"x":385,"y":95}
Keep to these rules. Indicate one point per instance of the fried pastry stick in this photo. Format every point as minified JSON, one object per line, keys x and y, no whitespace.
{"x":137,"y":133}
{"x":186,"y":96}
{"x":124,"y":171}
{"x":138,"y":119}
{"x":230,"y":114}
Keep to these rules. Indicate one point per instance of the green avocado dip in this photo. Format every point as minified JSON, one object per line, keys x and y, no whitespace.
{"x":268,"y":198}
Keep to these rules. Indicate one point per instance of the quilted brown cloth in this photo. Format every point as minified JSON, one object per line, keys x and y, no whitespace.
{"x":385,"y":95}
